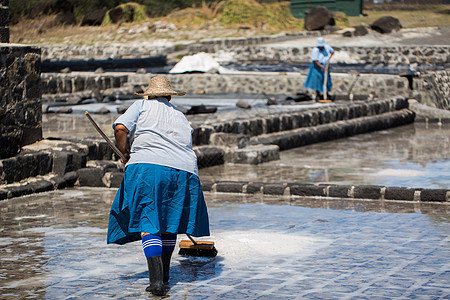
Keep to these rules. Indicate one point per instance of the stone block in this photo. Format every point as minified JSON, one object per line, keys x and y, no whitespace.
{"x":28,"y":166}
{"x":3,"y":194}
{"x":9,"y":170}
{"x":254,"y":154}
{"x":18,"y":191}
{"x":209,"y":156}
{"x":254,"y":187}
{"x":58,"y":182}
{"x":273,"y":188}
{"x":435,"y":195}
{"x":9,"y":141}
{"x":70,"y":178}
{"x":307,"y":190}
{"x":113,"y":179}
{"x":229,"y":186}
{"x":44,"y":161}
{"x":367,"y":192}
{"x":399,"y":193}
{"x":62,"y":162}
{"x":341,"y":191}
{"x":41,"y":186}
{"x":207,"y":185}
{"x":91,"y":177}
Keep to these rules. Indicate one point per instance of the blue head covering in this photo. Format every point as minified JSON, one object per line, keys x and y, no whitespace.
{"x":320,"y":42}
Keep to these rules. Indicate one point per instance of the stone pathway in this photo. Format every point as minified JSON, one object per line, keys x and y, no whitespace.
{"x":53,"y":246}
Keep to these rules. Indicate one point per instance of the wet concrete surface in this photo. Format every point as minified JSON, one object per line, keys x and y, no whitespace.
{"x":53,"y":246}
{"x":415,"y":155}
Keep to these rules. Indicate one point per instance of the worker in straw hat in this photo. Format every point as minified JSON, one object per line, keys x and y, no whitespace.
{"x":320,"y":56}
{"x":160,"y":195}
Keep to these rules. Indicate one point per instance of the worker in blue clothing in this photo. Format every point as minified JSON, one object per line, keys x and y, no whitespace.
{"x":320,"y":56}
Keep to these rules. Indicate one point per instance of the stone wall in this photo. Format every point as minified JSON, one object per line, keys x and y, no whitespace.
{"x":273,"y":84}
{"x":433,"y":89}
{"x":20,"y":98}
{"x":4,"y":21}
{"x":244,"y":50}
{"x":361,"y":55}
{"x":70,"y":83}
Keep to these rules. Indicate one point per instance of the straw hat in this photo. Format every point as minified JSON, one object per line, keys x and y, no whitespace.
{"x":159,"y":86}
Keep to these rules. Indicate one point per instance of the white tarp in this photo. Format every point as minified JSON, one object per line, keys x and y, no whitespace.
{"x":200,"y":62}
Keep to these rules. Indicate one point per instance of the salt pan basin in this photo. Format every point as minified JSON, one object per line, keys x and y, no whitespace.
{"x":53,"y":246}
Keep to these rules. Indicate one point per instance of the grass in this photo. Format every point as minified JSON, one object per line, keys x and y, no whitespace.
{"x":219,"y":20}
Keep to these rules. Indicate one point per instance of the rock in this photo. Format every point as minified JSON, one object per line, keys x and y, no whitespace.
{"x":347,"y":33}
{"x":40,"y":9}
{"x":70,"y":178}
{"x":63,"y":18}
{"x":300,"y":97}
{"x":115,"y":14}
{"x":201,"y":109}
{"x":62,"y":162}
{"x":318,"y":18}
{"x":386,"y":24}
{"x":122,"y":14}
{"x":243,"y":104}
{"x":360,"y":30}
{"x":200,"y":62}
{"x":94,"y":18}
{"x":122,"y":109}
{"x":62,"y":6}
{"x":102,"y":111}
{"x":91,"y":177}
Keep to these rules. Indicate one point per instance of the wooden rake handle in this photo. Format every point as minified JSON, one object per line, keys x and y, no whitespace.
{"x":110,"y":143}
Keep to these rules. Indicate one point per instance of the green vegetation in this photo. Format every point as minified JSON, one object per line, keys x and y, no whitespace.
{"x":276,"y":16}
{"x":132,"y":12}
{"x":196,"y":20}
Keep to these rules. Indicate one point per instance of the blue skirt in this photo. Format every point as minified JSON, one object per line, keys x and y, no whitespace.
{"x":314,"y":80}
{"x":156,"y":199}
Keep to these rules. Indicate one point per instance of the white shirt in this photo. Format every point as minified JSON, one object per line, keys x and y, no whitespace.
{"x":322,"y":56}
{"x":160,"y":134}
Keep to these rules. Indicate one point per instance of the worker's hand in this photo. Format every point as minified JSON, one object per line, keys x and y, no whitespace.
{"x":127,"y":156}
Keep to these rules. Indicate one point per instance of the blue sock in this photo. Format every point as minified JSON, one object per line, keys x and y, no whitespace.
{"x":168,"y":242}
{"x":152,"y":245}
